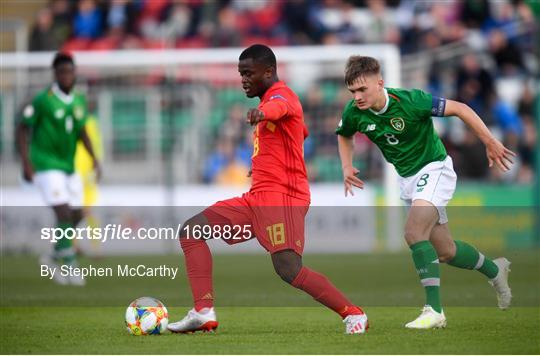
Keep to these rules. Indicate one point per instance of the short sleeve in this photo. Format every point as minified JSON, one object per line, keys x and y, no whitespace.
{"x":346,"y":126}
{"x":427,"y":105}
{"x":421,"y":102}
{"x":30,"y":113}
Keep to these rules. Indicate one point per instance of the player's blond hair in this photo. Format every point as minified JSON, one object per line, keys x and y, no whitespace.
{"x":359,"y":66}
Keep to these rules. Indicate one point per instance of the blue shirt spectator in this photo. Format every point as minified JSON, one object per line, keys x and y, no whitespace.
{"x":88,"y":21}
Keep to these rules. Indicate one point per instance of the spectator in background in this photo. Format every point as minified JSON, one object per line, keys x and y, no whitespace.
{"x":475,"y":13}
{"x":223,"y":166}
{"x":43,"y":36}
{"x":177,"y":22}
{"x":471,"y":161}
{"x":122,"y":15}
{"x":507,"y":56}
{"x":264,"y":21}
{"x":226,"y":33}
{"x":473,"y":83}
{"x":381,"y":27}
{"x":151,"y":15}
{"x":88,"y":22}
{"x":302,"y":19}
{"x":529,"y":138}
{"x":341,"y":28}
{"x":62,"y":19}
{"x":412,"y":18}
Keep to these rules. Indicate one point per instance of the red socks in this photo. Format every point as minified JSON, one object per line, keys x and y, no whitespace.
{"x":323,"y":291}
{"x":199,"y":271}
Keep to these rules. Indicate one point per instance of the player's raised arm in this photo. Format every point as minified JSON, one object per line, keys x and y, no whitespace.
{"x":496,"y":152}
{"x":346,"y":148}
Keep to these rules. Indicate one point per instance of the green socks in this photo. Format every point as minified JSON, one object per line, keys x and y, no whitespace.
{"x":426,"y":262}
{"x":469,"y":258}
{"x":64,"y":253}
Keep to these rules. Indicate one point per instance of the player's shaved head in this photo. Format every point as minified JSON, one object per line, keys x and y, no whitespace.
{"x":61,"y":58}
{"x":64,"y":71}
{"x":360,"y":66}
{"x":260,"y":54}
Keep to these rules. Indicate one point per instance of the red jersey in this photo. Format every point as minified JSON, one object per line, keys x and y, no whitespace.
{"x":278,"y":145}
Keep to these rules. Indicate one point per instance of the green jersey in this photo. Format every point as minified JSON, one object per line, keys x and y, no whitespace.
{"x":403,"y":129}
{"x":56,"y":120}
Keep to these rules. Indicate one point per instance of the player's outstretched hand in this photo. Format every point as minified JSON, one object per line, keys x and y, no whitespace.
{"x":254,"y":116}
{"x":350,"y":179}
{"x":500,"y":155}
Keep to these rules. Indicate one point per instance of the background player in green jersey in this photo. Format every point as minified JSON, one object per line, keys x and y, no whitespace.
{"x":399,"y":122}
{"x":51,"y":126}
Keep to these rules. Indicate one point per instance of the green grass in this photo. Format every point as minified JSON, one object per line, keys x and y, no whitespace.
{"x":274,"y":330}
{"x":259,"y":314}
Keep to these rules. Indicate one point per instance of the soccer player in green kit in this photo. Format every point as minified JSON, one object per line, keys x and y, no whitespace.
{"x":399,"y":122}
{"x":51,"y":126}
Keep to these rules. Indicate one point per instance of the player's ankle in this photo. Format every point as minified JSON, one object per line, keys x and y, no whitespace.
{"x":203,"y":308}
{"x":352,"y":310}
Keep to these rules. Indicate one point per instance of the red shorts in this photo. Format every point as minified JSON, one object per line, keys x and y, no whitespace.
{"x":275,"y":219}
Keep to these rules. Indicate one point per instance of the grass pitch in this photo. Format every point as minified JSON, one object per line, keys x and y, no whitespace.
{"x":259,"y":314}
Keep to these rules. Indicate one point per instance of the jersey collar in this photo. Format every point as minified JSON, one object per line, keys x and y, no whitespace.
{"x":276,"y":85}
{"x":383,"y":110}
{"x":65,"y":98}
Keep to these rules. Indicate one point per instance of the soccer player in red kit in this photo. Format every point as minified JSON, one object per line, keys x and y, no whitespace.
{"x":273,"y":210}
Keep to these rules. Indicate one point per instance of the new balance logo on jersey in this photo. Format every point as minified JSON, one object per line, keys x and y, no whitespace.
{"x":371,"y":127}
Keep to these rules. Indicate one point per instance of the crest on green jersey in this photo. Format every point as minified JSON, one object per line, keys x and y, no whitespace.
{"x":78,"y":112}
{"x":398,"y":123}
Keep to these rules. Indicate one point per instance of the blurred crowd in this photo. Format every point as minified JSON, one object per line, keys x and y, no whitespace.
{"x":411,"y":24}
{"x":493,"y":76}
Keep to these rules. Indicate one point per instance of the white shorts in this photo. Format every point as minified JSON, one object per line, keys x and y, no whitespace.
{"x":58,"y":187}
{"x":436,"y":183}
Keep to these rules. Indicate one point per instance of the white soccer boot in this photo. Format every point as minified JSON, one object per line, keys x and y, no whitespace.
{"x":51,"y":263}
{"x":205,"y":321}
{"x":429,"y":319}
{"x":500,"y":283}
{"x":356,"y":324}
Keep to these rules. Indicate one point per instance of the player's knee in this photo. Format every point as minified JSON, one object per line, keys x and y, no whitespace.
{"x":413,"y":236}
{"x":63,"y":213}
{"x":287,"y":265}
{"x":76,"y":216}
{"x":187,"y":231}
{"x":446,"y":253}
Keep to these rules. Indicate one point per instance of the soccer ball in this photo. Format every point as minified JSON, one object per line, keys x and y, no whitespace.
{"x":146,"y":316}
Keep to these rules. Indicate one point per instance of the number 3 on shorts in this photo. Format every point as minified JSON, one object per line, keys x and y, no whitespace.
{"x":423,"y":180}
